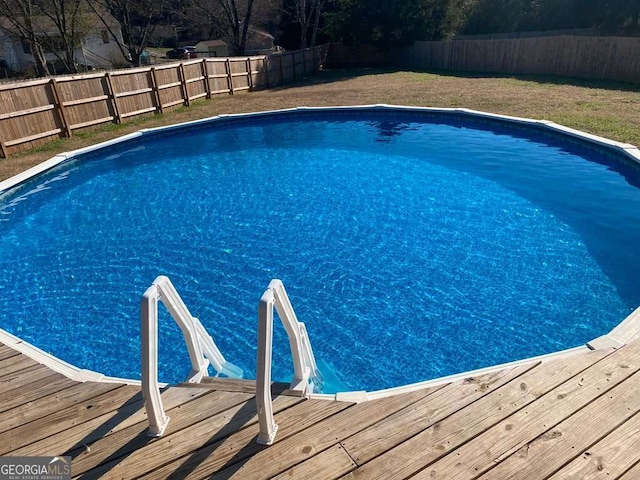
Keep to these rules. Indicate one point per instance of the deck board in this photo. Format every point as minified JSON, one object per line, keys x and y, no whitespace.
{"x":571,"y":417}
{"x":311,"y":441}
{"x":44,"y":406}
{"x":214,"y":442}
{"x":15,"y":364}
{"x":632,"y":474}
{"x":75,"y":440}
{"x":102,"y":398}
{"x":19,"y":381}
{"x":439,"y":440}
{"x":7,"y":352}
{"x":514,"y":432}
{"x":406,"y":423}
{"x":330,"y":463}
{"x":134,"y":437}
{"x":609,"y":458}
{"x":39,"y":387}
{"x":550,"y":451}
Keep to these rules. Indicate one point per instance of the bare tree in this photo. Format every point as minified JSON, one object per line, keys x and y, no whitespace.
{"x":48,"y":26}
{"x":20,"y":16}
{"x":201,"y":19}
{"x":318,"y":5}
{"x":137,"y":19}
{"x":303,"y":17}
{"x":239,"y":26}
{"x":235,"y":16}
{"x":71,"y":25}
{"x":308,"y":11}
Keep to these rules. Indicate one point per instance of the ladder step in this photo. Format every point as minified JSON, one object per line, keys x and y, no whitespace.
{"x":236,"y":385}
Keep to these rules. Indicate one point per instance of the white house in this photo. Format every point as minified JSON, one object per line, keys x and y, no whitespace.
{"x":98,"y":48}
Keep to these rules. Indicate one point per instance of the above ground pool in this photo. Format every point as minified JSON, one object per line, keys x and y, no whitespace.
{"x":413,"y":243}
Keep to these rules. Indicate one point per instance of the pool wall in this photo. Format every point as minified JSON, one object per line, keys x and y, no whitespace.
{"x":626,"y":331}
{"x":58,"y":365}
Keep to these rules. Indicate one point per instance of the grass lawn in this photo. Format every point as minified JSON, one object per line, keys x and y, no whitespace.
{"x":603,"y":108}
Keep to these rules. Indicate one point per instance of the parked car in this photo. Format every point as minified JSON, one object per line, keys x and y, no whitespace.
{"x":182,"y":53}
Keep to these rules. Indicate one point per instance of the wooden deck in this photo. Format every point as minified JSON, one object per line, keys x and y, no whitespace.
{"x":573,"y":417}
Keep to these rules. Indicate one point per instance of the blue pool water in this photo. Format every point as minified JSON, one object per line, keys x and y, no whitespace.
{"x":412,"y":245}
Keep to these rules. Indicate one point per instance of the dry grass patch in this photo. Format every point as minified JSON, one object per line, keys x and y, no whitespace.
{"x":606,"y":109}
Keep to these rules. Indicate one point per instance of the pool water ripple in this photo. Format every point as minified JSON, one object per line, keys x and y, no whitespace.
{"x":410,"y":250}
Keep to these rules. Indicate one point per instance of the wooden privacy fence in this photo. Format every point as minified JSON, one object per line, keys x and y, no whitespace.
{"x":605,"y":58}
{"x":35,"y":112}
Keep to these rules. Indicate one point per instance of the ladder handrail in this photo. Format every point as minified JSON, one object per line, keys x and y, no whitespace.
{"x":158,"y":420}
{"x":182,"y":316}
{"x":301,"y":371}
{"x":305,"y":371}
{"x":199,"y":345}
{"x":268,"y":426}
{"x":213,"y":354}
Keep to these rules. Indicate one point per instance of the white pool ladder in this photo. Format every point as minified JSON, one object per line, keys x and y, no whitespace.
{"x":201,"y":347}
{"x":306,"y":376}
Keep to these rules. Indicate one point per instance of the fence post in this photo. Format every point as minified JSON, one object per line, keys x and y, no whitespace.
{"x":249,"y":75}
{"x":267,"y":64}
{"x":227,"y":67}
{"x":205,"y":74}
{"x":293,"y":60}
{"x":66,"y":131}
{"x":112,"y":97}
{"x":154,"y":87}
{"x":3,"y":149}
{"x":183,"y":84}
{"x":281,"y":69}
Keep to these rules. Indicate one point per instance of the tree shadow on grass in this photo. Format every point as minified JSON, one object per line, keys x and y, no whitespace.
{"x":322,"y":77}
{"x":327,"y":76}
{"x":540,"y":79}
